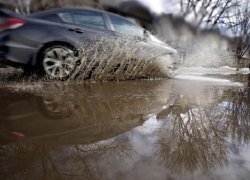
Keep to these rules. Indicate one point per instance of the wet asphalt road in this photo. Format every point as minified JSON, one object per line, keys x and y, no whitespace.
{"x":172,"y":129}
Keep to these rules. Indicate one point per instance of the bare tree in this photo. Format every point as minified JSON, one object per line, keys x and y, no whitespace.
{"x":20,"y":6}
{"x":26,"y":160}
{"x":205,"y":13}
{"x":30,"y":6}
{"x":237,"y":21}
{"x":5,"y":5}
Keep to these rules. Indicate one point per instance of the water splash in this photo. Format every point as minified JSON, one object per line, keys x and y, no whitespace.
{"x":121,"y":59}
{"x":200,"y":78}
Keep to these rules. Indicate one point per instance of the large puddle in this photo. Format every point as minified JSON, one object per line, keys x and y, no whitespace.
{"x":186,"y":128}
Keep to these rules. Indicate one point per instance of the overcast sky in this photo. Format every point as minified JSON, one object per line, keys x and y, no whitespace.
{"x":160,"y":6}
{"x":156,"y":6}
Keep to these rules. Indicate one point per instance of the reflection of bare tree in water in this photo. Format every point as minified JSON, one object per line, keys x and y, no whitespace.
{"x":190,"y":141}
{"x":236,"y":116}
{"x":41,"y":161}
{"x":197,"y":138}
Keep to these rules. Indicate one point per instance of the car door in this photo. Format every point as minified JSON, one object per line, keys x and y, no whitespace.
{"x":86,"y":27}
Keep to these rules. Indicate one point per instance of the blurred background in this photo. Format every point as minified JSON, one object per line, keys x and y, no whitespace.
{"x":211,"y":33}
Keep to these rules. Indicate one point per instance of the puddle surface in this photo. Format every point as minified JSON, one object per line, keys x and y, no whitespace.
{"x":175,"y":129}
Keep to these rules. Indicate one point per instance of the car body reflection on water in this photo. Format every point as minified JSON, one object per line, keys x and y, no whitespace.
{"x":63,"y":120}
{"x":104,"y":131}
{"x":91,"y":111}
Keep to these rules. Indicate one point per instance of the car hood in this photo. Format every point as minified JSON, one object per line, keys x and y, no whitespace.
{"x":158,"y":42}
{"x":154,"y":43}
{"x":165,"y":46}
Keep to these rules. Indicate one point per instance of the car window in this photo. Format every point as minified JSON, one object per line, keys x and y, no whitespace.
{"x":66,"y":17}
{"x":52,"y":17}
{"x":89,"y":18}
{"x":125,"y":27}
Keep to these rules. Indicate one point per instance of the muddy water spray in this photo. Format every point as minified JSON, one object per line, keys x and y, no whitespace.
{"x":120,"y":59}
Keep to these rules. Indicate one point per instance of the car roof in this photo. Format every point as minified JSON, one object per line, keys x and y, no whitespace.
{"x":64,"y":9}
{"x":61,"y":9}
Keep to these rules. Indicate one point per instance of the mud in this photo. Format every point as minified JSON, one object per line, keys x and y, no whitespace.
{"x":179,"y":128}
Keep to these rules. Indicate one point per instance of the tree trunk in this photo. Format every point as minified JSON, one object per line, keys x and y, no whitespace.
{"x":238,"y":63}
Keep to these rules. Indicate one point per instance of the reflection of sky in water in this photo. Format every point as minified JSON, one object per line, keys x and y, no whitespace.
{"x":143,"y":165}
{"x":148,"y":112}
{"x":142,"y":138}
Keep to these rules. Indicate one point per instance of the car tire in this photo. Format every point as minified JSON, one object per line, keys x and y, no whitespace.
{"x":58,"y":62}
{"x":55,"y":109}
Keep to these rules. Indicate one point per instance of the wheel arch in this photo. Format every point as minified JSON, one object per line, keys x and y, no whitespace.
{"x":41,"y":50}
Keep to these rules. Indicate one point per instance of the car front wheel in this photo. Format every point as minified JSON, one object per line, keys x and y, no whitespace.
{"x":59,"y":62}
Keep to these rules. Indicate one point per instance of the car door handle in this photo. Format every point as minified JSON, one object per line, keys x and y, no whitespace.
{"x":70,"y":29}
{"x":80,"y":31}
{"x":77,"y":30}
